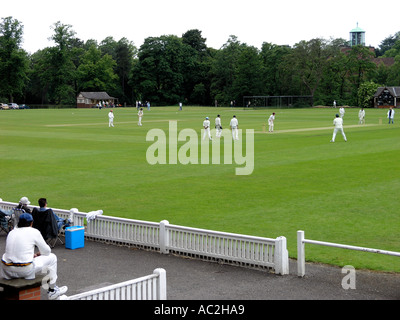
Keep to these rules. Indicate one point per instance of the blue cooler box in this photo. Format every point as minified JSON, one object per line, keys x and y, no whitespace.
{"x":74,"y":237}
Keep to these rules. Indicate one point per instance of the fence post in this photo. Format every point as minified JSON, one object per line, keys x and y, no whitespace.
{"x":164,"y":240}
{"x":281,"y":257}
{"x":162,"y":283}
{"x":301,"y":258}
{"x":72,"y":215}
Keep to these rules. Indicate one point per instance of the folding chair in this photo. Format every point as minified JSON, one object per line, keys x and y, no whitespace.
{"x":5,"y":221}
{"x":46,"y":223}
{"x":15,"y":217}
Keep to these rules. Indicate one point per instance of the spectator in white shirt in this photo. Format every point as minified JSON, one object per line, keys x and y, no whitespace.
{"x":21,"y":261}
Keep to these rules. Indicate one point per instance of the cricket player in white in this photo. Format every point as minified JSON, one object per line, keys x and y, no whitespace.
{"x":361,"y":116}
{"x":234,"y":124}
{"x":271,"y":122}
{"x":140,"y":115}
{"x":218,"y":126}
{"x":390,"y":114}
{"x":342,"y":112}
{"x":206,"y":126}
{"x":338,"y":123}
{"x":111,"y":119}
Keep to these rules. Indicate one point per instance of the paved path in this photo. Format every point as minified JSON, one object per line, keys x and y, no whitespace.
{"x":97,"y":265}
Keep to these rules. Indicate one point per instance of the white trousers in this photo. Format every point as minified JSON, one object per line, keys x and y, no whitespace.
{"x":111,"y":123}
{"x":140,"y":121}
{"x":335,"y":131}
{"x":235,"y":134}
{"x":42,"y":264}
{"x":207,"y":132}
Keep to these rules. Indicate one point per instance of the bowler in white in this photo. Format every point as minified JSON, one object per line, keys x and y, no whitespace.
{"x":271,"y":120}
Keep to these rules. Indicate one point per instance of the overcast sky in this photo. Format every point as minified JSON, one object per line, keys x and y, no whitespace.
{"x":251,"y":21}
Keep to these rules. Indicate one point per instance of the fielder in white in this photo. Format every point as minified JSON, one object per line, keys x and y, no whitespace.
{"x":342,"y":112}
{"x":140,"y":115}
{"x":234,"y":124}
{"x":361,"y":116}
{"x":218,"y":127}
{"x":271,"y":122}
{"x":338,"y":123}
{"x":206,"y":126}
{"x":111,"y":119}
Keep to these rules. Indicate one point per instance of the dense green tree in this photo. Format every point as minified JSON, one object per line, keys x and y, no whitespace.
{"x":159,"y":72}
{"x":169,"y":69}
{"x":248,"y":73}
{"x":196,"y":73}
{"x":272,"y":56}
{"x":194,"y":39}
{"x":96,"y":72}
{"x":124,"y":53}
{"x":387,"y":44}
{"x":360,"y":65}
{"x":334,"y":80}
{"x":308,"y":61}
{"x":14,"y":62}
{"x":223,"y":72}
{"x":366,"y":93}
{"x":40,"y":76}
{"x":61,"y":67}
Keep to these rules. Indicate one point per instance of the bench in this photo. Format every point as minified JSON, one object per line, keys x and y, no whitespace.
{"x":20,"y":289}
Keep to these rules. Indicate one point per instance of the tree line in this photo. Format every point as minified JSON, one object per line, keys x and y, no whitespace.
{"x":169,"y":69}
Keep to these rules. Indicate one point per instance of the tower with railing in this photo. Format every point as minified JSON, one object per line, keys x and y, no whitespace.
{"x":357,"y":36}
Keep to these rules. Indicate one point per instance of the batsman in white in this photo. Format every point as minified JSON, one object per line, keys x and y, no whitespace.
{"x":140,"y":115}
{"x":206,"y":126}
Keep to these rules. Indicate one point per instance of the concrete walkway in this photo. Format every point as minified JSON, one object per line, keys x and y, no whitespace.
{"x":98,"y":265}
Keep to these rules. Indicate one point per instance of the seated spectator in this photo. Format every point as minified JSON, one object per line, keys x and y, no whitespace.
{"x":23,"y":204}
{"x":60,"y":222}
{"x":21,"y":261}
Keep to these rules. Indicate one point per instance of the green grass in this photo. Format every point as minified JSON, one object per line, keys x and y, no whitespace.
{"x":343,"y":192}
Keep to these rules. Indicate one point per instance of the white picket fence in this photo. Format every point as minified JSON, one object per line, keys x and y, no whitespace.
{"x":301,"y":256}
{"x":151,"y":287}
{"x":243,"y":250}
